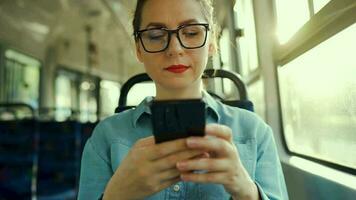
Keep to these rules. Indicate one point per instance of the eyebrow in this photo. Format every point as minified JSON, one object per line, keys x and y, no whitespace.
{"x":157,"y":24}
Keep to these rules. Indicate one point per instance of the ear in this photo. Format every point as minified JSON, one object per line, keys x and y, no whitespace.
{"x":138,"y":52}
{"x":212,"y":49}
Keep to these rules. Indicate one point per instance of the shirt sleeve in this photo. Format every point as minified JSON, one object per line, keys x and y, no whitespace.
{"x":95,"y":173}
{"x":269,"y":175}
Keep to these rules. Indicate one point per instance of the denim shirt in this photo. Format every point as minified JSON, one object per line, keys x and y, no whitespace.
{"x":113,"y":137}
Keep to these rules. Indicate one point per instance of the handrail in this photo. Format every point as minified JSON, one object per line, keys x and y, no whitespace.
{"x":234,"y":77}
{"x":9,"y":106}
{"x":208,"y":73}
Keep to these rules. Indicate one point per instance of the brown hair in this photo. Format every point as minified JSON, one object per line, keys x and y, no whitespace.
{"x":208,"y":12}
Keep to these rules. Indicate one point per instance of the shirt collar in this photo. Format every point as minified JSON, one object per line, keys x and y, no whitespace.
{"x":141,"y":109}
{"x":211,"y":105}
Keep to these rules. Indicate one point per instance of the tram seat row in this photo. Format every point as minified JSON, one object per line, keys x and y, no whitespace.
{"x":42,"y":155}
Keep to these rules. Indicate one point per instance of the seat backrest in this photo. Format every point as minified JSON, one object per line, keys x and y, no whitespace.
{"x":59,"y":157}
{"x":86,"y":131}
{"x":18,"y":140}
{"x":19,"y":150}
{"x":242,"y":102}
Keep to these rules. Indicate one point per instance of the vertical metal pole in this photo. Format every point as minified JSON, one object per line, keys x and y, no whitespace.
{"x":2,"y":73}
{"x":95,"y":81}
{"x":88,"y":31}
{"x":234,"y":51}
{"x":47,"y":88}
{"x":311,"y":8}
{"x":87,"y":77}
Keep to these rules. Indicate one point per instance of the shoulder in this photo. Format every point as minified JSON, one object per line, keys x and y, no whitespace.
{"x":118,"y":120}
{"x":112,"y":129}
{"x":244,"y":123}
{"x":110,"y":125}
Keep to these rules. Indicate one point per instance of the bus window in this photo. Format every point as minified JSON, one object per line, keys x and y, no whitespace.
{"x":76,"y":93}
{"x":318,"y":99}
{"x":247,"y":43}
{"x":319,"y":4}
{"x":224,"y":47}
{"x":291,"y":15}
{"x":256,"y":94}
{"x":139,"y":91}
{"x":65,"y":101}
{"x":88,"y":103}
{"x":20,"y":79}
{"x":109,"y":96}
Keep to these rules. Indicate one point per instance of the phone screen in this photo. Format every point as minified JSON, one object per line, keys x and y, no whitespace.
{"x":174,"y":119}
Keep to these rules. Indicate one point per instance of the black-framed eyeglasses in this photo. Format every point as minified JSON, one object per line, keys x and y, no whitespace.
{"x":190,"y":36}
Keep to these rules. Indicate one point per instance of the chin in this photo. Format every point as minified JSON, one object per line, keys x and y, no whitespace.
{"x":176,"y":84}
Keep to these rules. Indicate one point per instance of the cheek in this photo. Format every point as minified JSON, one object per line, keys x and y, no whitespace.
{"x":151,"y":65}
{"x":201,"y":58}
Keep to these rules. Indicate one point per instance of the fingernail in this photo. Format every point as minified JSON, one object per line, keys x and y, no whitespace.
{"x":208,"y":128}
{"x":191,"y":142}
{"x":180,"y":165}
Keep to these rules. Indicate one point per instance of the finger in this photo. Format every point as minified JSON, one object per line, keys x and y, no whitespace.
{"x":204,"y":155}
{"x":169,"y":174}
{"x":166,"y":148}
{"x":171,"y":160}
{"x":210,"y":165}
{"x":214,"y":145}
{"x":219,"y":130}
{"x":148,"y":141}
{"x":215,"y":177}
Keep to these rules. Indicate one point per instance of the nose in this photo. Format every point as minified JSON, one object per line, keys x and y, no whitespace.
{"x":174,"y":47}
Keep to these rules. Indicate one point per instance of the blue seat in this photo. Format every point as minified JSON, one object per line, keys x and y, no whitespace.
{"x":18,"y":158}
{"x":86,"y":131}
{"x":59,"y":159}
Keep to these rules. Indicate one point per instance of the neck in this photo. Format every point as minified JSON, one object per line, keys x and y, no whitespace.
{"x":193,"y":92}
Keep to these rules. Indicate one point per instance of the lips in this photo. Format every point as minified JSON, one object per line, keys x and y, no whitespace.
{"x":177,"y":68}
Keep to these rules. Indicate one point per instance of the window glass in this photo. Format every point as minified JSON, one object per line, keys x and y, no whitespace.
{"x":318,"y":96}
{"x":257,"y":96}
{"x":63,"y":98}
{"x":109,"y":97}
{"x":291,"y":15}
{"x":88,"y":104}
{"x":76,"y":96}
{"x":319,"y":4}
{"x":20,"y":79}
{"x":224,"y":50}
{"x":224,"y":45}
{"x":139,"y":91}
{"x":247,"y":43}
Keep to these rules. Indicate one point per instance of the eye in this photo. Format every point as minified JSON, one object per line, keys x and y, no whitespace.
{"x":192,"y":31}
{"x":154,"y":35}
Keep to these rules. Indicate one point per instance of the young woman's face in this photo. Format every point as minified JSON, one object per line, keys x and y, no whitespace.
{"x":176,"y":67}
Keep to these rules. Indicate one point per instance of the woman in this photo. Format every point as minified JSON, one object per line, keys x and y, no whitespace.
{"x":236,"y":159}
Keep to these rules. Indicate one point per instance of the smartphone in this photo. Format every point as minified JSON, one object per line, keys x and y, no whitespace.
{"x":174,"y":119}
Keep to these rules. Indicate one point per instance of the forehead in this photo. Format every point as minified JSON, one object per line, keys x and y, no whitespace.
{"x":171,"y":12}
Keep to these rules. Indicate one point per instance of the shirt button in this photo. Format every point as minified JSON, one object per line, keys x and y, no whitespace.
{"x":176,"y":188}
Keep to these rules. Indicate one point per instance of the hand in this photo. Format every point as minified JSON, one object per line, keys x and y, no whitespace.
{"x":148,"y":168}
{"x":223,"y":166}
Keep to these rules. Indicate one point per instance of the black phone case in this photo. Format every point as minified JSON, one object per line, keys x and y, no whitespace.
{"x":174,"y":119}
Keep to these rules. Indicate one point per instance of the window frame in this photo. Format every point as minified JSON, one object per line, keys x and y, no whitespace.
{"x":3,"y":48}
{"x":333,"y":18}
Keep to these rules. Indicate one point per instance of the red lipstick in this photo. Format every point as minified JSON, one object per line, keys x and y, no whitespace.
{"x":177,"y":68}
